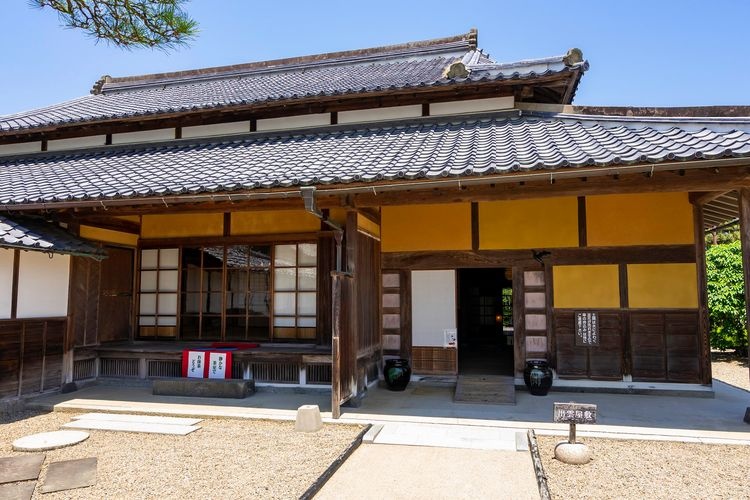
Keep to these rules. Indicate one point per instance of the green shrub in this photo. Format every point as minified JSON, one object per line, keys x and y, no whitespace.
{"x":726,"y":296}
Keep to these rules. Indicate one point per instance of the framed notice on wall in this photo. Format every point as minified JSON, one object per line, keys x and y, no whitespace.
{"x":587,"y":328}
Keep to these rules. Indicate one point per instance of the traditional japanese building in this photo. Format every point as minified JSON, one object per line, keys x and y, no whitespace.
{"x":420,"y":200}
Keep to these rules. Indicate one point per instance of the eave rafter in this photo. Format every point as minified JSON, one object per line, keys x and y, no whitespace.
{"x":366,"y":196}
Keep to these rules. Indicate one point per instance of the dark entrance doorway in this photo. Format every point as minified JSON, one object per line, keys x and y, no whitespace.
{"x":485,"y":322}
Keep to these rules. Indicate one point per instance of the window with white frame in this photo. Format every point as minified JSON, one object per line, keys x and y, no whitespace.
{"x":295,"y":291}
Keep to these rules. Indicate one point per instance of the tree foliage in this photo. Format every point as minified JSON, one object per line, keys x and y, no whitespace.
{"x":127,"y":23}
{"x":726,"y":296}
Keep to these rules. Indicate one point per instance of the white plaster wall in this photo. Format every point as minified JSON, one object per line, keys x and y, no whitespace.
{"x":292,"y":122}
{"x":76,"y":142}
{"x":380,"y":114}
{"x":20,"y":148}
{"x":161,"y":134}
{"x":43,"y":285}
{"x":471,"y":106}
{"x":433,"y":306}
{"x":215,"y":129}
{"x":6,"y":281}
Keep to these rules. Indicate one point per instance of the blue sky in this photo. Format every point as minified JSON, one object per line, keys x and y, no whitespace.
{"x":644,"y":53}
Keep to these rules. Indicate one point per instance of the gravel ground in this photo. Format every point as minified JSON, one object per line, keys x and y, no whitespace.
{"x":730,"y":368}
{"x":224,"y":459}
{"x":649,"y":469}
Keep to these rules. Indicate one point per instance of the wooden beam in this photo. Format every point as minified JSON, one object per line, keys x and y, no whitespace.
{"x":703,"y":197}
{"x":720,"y":178}
{"x":456,"y":259}
{"x":111,"y":223}
{"x":371,"y":214}
{"x":234,"y":240}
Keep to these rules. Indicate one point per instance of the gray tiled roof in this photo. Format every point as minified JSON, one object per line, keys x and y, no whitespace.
{"x":427,"y":148}
{"x":33,"y":233}
{"x":413,"y":65}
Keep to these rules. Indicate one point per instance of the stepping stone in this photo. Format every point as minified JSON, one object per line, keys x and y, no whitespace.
{"x":20,"y":468}
{"x":17,"y":491}
{"x":49,"y":440}
{"x":70,"y":474}
{"x":144,"y":419}
{"x":103,"y":425}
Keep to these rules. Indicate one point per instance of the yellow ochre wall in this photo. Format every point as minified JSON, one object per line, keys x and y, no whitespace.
{"x":639,"y":219}
{"x":108,"y":236}
{"x":662,"y":286}
{"x":182,"y":225}
{"x":535,"y":223}
{"x":586,"y":287}
{"x":281,"y":221}
{"x":426,"y":227}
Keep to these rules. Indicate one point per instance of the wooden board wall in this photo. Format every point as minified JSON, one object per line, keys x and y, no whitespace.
{"x":31,"y":355}
{"x":434,"y":360}
{"x":101,"y":298}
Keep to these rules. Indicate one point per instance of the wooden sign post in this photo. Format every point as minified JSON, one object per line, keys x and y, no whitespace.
{"x":574,"y":413}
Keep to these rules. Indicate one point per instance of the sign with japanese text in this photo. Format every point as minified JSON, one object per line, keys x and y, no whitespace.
{"x":196,"y":364}
{"x":207,"y":364}
{"x":574,"y":413}
{"x":587,"y":329}
{"x":218,"y":363}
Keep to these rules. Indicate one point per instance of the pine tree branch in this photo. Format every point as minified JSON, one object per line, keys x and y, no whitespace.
{"x":127,"y":23}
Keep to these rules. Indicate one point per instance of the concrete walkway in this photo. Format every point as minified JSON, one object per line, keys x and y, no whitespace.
{"x":378,"y":471}
{"x":691,"y":419}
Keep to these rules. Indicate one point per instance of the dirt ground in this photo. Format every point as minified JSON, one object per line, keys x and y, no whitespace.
{"x":224,"y":459}
{"x":624,"y":469}
{"x":730,"y":368}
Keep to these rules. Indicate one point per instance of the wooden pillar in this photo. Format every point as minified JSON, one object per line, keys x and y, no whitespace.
{"x":335,"y":347}
{"x":352,"y":252}
{"x":744,"y":197}
{"x":703,"y":326}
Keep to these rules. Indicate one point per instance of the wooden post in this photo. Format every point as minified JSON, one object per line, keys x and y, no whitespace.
{"x":744,"y":197}
{"x":335,"y":347}
{"x":703,"y":326}
{"x":352,"y":252}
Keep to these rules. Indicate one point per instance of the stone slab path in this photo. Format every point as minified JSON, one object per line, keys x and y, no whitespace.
{"x":20,"y":468}
{"x":377,"y":471}
{"x":450,"y":436}
{"x":49,"y":440}
{"x":144,"y":419}
{"x":144,"y":427}
{"x":70,"y":474}
{"x":17,"y":491}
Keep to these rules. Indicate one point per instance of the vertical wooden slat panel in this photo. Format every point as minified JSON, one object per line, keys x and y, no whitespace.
{"x":405,"y":313}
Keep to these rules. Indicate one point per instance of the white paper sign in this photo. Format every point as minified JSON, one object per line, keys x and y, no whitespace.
{"x":218,"y":365}
{"x":449,"y":336}
{"x":196,"y":361}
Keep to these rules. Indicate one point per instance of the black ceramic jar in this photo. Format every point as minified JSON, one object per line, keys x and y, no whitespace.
{"x":538,"y":377}
{"x":397,"y":373}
